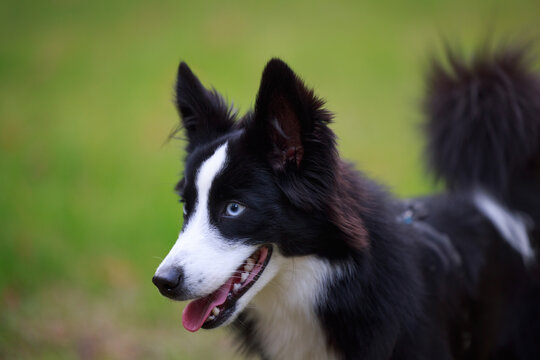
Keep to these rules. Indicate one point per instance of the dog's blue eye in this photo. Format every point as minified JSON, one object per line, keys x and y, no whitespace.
{"x":234,"y":209}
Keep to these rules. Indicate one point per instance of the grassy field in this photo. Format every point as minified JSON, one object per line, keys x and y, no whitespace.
{"x":86,"y":202}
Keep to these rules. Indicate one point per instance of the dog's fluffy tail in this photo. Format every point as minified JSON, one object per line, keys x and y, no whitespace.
{"x":483,"y":120}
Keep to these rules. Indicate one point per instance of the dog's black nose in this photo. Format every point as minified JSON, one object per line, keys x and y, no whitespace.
{"x":168,"y":281}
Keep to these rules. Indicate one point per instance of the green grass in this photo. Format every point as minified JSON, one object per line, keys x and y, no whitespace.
{"x":86,"y":202}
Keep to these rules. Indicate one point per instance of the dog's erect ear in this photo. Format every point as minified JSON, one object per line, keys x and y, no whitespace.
{"x":205,"y":115}
{"x":284,"y":113}
{"x":289,"y":128}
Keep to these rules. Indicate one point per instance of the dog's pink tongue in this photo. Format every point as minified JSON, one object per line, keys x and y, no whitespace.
{"x":197,"y":311}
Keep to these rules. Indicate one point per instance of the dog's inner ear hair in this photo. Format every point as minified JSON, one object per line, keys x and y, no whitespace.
{"x":188,"y":118}
{"x":286,"y":135}
{"x":281,"y":115}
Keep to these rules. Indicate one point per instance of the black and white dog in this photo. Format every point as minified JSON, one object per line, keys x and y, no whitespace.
{"x":309,"y":259}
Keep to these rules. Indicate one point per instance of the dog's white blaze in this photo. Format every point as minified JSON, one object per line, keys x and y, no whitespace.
{"x":285,"y":309}
{"x":512,"y":226}
{"x":206,"y":258}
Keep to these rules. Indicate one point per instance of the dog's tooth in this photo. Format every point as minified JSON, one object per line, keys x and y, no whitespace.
{"x":236,"y":287}
{"x":244,"y":276}
{"x":211,"y":317}
{"x":215,"y":311}
{"x":250,"y":265}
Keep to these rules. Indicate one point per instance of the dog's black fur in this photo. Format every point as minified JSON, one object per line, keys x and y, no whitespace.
{"x":439,"y":282}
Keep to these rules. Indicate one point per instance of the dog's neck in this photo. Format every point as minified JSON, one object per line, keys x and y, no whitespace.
{"x":283,"y":314}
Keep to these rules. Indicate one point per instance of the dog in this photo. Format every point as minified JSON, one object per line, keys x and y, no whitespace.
{"x":307,"y":258}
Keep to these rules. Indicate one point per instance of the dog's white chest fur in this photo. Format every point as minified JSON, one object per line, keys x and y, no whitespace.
{"x":286,"y":323}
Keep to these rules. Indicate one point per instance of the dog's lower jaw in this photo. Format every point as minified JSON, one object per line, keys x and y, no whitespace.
{"x":283,"y":313}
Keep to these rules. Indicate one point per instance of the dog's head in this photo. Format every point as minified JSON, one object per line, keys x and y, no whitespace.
{"x":254,"y":190}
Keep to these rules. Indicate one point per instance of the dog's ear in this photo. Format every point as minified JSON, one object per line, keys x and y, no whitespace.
{"x":289,"y":129}
{"x":205,"y":115}
{"x":285,"y":113}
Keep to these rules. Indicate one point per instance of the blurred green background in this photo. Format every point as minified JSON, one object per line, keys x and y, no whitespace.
{"x":86,"y":203}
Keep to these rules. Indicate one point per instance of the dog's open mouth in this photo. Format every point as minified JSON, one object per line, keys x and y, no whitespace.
{"x":212,"y":310}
